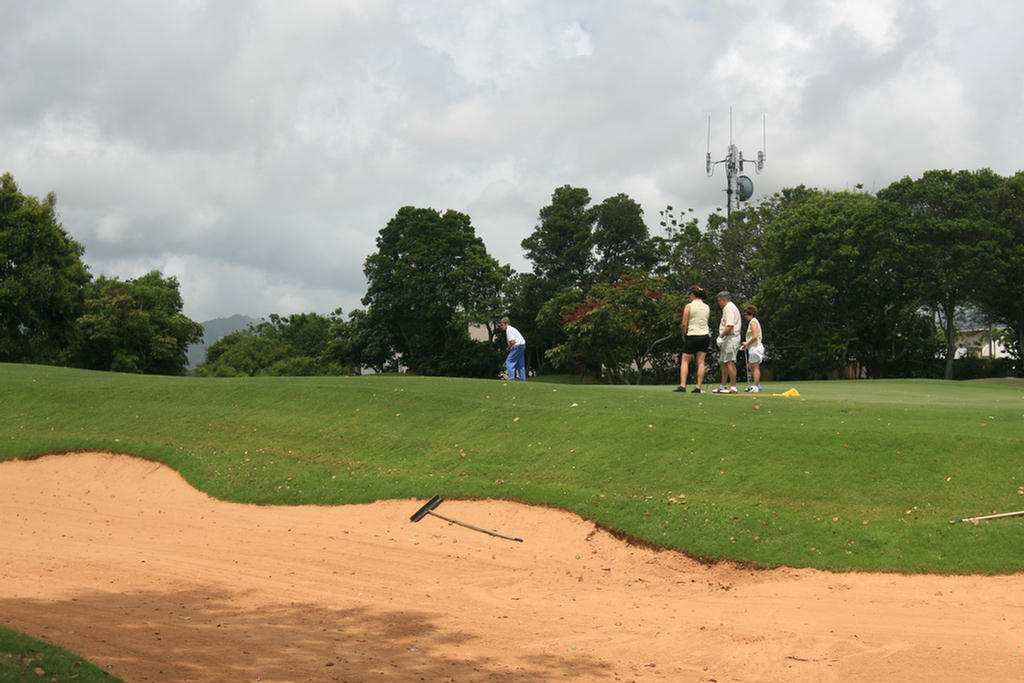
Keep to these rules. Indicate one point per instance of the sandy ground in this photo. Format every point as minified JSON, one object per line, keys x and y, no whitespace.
{"x":121,"y":561}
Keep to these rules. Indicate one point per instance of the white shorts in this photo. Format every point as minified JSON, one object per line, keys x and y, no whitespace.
{"x":755,"y":354}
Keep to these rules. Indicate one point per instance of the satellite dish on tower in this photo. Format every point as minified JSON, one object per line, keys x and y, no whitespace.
{"x":746,"y":186}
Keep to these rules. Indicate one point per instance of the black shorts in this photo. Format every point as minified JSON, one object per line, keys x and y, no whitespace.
{"x":696,"y":344}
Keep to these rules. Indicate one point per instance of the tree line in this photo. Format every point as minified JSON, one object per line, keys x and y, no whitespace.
{"x":879,"y":282}
{"x":876,"y":285}
{"x":54,"y":312}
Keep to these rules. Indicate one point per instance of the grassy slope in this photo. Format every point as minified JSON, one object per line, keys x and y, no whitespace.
{"x":24,"y":659}
{"x":858,"y":475}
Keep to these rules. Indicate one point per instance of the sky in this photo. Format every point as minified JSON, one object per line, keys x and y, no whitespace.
{"x":254,"y":148}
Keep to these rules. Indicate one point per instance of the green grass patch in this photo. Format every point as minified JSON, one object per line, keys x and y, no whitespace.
{"x":23,"y":659}
{"x":853,"y":475}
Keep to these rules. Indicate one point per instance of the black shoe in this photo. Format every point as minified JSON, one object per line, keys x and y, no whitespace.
{"x":682,"y":389}
{"x":696,"y":390}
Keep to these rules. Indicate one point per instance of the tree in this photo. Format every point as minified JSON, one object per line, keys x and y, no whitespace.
{"x":621,"y":239}
{"x":738,"y":252}
{"x":134,"y":326}
{"x":1002,"y":266}
{"x":430,"y":277}
{"x":41,"y":278}
{"x":242,"y":354}
{"x":836,"y":291}
{"x":296,"y":345}
{"x":355,"y":344}
{"x":725,"y":255}
{"x":561,"y":245}
{"x":681,"y":251}
{"x":945,"y":217}
{"x":625,"y":329}
{"x":728,"y":254}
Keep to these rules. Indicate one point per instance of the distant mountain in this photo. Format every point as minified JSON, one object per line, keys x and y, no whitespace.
{"x":214,"y":330}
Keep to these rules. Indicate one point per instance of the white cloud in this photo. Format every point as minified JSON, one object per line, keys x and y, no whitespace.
{"x":254,"y":149}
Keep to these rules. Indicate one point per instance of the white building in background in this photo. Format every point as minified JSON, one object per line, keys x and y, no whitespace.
{"x":478,"y":332}
{"x":981,"y":344}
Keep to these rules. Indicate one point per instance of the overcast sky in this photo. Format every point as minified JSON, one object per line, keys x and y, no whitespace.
{"x":254,"y":149}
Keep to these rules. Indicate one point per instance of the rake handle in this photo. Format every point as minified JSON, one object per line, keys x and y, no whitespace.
{"x":978,"y":519}
{"x":475,"y":527}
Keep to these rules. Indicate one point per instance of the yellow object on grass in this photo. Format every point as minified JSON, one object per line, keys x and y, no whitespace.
{"x":791,"y":392}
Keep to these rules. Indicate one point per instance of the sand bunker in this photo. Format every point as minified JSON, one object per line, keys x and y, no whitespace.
{"x":121,"y":561}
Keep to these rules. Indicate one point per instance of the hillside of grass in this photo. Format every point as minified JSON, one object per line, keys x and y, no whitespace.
{"x":851,"y":475}
{"x":24,"y":658}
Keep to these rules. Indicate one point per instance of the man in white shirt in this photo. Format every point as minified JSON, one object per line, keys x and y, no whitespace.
{"x":516,"y":360}
{"x":728,"y":343}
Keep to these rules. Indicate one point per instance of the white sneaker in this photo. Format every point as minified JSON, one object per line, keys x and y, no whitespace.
{"x":719,"y":390}
{"x":733,"y":390}
{"x":754,"y":389}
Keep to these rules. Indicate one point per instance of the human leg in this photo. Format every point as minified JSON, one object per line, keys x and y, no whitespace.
{"x":723,"y":371}
{"x":701,"y":369}
{"x":521,"y":361}
{"x":684,"y":369}
{"x":731,"y":369}
{"x":727,"y":351}
{"x":755,"y":356}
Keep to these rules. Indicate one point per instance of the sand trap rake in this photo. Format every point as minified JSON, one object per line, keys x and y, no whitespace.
{"x":428,"y":509}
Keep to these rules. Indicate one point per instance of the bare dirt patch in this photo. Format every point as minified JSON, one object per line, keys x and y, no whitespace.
{"x":121,"y":561}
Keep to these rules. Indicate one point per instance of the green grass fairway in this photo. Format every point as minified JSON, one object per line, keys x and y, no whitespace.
{"x":24,"y":659}
{"x":853,"y":475}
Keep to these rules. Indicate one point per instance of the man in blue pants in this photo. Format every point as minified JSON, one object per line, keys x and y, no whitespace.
{"x":516,"y":360}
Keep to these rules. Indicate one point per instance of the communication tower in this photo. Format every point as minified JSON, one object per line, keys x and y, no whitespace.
{"x":738,"y":188}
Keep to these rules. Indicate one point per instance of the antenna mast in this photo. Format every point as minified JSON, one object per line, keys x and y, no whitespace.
{"x":738,"y":188}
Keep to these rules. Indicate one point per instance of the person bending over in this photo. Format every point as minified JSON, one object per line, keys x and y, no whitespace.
{"x":516,"y":359}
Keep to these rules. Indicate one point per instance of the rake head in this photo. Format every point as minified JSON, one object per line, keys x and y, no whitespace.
{"x":423,"y":511}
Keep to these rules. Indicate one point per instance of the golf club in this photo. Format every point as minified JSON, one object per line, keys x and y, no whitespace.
{"x":428,"y":509}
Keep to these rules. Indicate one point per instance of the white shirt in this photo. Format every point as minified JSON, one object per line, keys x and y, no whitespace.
{"x":730,"y":316}
{"x":514,"y":337}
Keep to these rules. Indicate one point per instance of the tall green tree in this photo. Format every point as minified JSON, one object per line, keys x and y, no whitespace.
{"x":430,"y":277}
{"x":836,"y":291}
{"x":622,"y":241}
{"x":573,"y":246}
{"x":739,"y":252}
{"x":355,"y":344}
{"x":134,"y":326}
{"x":946,"y":215}
{"x":41,"y":278}
{"x":1000,"y":291}
{"x":561,"y":246}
